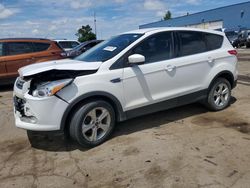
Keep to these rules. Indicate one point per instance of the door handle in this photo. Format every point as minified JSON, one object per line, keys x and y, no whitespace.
{"x":210,"y":60}
{"x":170,"y":68}
{"x":115,"y":80}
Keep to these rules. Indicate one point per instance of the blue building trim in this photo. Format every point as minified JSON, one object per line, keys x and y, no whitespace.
{"x":234,"y":17}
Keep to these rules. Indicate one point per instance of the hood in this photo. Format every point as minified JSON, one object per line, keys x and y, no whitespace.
{"x":65,"y":64}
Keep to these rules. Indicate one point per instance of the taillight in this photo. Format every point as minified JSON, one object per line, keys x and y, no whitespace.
{"x":233,"y":52}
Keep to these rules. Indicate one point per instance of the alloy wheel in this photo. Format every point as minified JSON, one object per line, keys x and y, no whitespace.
{"x":221,"y":94}
{"x":96,"y":124}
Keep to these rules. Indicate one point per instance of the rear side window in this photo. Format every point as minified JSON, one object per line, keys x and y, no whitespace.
{"x":213,"y":41}
{"x":39,"y":47}
{"x":191,"y":43}
{"x":158,"y":47}
{"x":15,"y":48}
{"x":1,"y":49}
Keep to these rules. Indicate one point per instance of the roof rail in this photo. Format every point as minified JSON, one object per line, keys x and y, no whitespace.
{"x":24,"y":39}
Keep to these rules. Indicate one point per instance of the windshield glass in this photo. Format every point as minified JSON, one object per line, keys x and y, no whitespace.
{"x":109,"y":48}
{"x":68,"y":44}
{"x":78,"y":47}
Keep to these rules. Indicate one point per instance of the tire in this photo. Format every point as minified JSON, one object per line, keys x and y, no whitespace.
{"x":219,"y":95}
{"x":87,"y":128}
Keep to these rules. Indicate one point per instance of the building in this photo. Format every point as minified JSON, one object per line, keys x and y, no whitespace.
{"x":233,"y":17}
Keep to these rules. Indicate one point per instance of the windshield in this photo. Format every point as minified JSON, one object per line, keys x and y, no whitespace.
{"x":78,"y":47}
{"x":68,"y":44}
{"x":109,"y":48}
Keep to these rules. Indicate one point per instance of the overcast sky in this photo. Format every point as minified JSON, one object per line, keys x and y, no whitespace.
{"x":62,"y":18}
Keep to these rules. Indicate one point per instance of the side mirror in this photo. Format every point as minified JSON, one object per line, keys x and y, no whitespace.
{"x":136,"y":59}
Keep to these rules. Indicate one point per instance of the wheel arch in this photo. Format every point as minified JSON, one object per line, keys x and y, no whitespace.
{"x":112,"y":100}
{"x":224,"y":74}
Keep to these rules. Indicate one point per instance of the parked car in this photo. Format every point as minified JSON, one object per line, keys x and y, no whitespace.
{"x":18,"y":52}
{"x":129,"y":75}
{"x":233,"y":38}
{"x":242,"y":38}
{"x":67,"y":44}
{"x":248,"y":40}
{"x":83,"y":47}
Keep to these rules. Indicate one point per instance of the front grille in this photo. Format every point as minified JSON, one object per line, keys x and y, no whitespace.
{"x":19,"y":105}
{"x":19,"y":83}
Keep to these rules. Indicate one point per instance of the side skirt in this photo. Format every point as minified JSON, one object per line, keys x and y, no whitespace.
{"x":164,"y":105}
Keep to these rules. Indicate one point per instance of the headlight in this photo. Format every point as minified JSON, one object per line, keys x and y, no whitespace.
{"x":47,"y":89}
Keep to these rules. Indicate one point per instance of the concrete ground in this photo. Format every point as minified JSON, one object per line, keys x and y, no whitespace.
{"x":182,"y":147}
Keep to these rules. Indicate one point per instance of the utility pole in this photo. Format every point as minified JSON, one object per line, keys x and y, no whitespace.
{"x":95,"y":24}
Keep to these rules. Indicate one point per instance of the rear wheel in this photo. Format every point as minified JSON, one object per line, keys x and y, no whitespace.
{"x":92,"y":123}
{"x":219,"y":95}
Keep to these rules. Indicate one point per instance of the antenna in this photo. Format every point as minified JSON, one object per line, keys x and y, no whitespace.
{"x":95,"y":24}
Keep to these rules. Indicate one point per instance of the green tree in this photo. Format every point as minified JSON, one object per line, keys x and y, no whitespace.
{"x":85,"y":33}
{"x":168,"y":15}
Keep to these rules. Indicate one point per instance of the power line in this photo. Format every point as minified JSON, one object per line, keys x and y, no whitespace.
{"x":95,"y":24}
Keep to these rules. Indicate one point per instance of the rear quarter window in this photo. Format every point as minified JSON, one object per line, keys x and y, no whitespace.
{"x":39,"y":47}
{"x":213,"y":41}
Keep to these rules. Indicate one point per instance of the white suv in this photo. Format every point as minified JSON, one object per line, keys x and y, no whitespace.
{"x":129,"y":75}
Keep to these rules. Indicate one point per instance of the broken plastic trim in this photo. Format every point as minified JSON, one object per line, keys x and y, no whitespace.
{"x":53,"y":75}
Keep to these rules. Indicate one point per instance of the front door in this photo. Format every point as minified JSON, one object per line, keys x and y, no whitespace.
{"x":19,"y":54}
{"x":150,"y":82}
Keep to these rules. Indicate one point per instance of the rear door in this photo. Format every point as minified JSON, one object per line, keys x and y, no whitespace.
{"x":3,"y":71}
{"x":195,"y":60}
{"x":18,"y":54}
{"x":44,"y":51}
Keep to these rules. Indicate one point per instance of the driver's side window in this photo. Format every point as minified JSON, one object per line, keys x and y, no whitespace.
{"x":156,"y":48}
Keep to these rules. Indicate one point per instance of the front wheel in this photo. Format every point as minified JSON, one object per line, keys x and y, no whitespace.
{"x":92,"y":123}
{"x":219,"y":95}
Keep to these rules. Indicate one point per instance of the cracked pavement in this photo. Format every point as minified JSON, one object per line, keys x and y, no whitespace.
{"x":182,"y":147}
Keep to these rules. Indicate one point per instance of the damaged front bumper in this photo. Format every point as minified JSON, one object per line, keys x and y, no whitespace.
{"x":36,"y":114}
